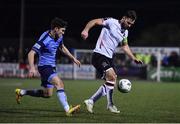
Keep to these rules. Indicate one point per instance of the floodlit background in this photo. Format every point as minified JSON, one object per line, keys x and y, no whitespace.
{"x":155,"y":39}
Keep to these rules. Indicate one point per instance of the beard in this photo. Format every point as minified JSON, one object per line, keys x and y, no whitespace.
{"x":124,"y":26}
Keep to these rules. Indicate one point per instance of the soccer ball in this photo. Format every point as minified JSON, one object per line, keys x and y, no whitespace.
{"x":124,"y":85}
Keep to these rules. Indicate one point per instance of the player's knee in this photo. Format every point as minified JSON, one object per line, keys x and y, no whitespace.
{"x":59,"y":85}
{"x":112,"y":77}
{"x":111,"y":81}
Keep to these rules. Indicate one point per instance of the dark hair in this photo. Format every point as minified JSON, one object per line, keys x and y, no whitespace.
{"x":131,"y":14}
{"x":57,"y":22}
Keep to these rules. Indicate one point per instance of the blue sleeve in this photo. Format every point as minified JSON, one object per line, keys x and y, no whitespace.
{"x":42,"y":42}
{"x":38,"y":46}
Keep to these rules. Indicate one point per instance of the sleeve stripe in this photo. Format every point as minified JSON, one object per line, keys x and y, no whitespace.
{"x":43,"y":38}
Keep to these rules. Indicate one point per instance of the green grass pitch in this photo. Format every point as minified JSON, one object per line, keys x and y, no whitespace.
{"x":148,"y":102}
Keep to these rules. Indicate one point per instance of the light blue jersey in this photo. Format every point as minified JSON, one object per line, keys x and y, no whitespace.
{"x":46,"y":47}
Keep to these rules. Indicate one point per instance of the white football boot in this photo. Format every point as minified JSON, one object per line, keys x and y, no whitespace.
{"x":113,"y":109}
{"x":89,"y":105}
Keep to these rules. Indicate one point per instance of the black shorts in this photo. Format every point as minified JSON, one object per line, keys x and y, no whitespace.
{"x":47,"y":72}
{"x":101,"y":63}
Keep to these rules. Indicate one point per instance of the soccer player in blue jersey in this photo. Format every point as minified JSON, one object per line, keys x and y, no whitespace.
{"x":46,"y":47}
{"x":114,"y":33}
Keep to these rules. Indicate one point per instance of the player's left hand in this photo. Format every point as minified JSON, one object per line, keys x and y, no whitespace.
{"x":138,"y":61}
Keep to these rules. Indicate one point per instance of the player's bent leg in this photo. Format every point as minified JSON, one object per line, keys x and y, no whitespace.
{"x":110,"y":105}
{"x":110,"y":83}
{"x":37,"y":93}
{"x":89,"y":105}
{"x":58,"y":83}
{"x":44,"y":93}
{"x":96,"y":96}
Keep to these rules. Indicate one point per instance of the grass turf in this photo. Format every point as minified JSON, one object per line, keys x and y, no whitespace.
{"x":148,"y":102}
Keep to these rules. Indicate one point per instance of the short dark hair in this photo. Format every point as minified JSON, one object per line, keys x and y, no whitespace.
{"x":131,"y":14}
{"x":57,"y":22}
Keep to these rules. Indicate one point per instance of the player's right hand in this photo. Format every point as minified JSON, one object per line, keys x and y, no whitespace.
{"x":84,"y":34}
{"x":32,"y":72}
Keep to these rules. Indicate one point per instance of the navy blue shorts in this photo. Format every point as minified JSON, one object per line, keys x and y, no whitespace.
{"x":47,"y":72}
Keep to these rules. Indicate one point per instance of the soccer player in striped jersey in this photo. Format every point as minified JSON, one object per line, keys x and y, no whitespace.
{"x":113,"y":33}
{"x":46,"y":47}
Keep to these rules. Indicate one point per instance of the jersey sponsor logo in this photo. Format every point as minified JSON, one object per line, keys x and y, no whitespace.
{"x":36,"y":45}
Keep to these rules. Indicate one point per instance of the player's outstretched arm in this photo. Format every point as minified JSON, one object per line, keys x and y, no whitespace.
{"x":66,"y":52}
{"x":128,"y":51}
{"x":32,"y":70}
{"x":89,"y":25}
